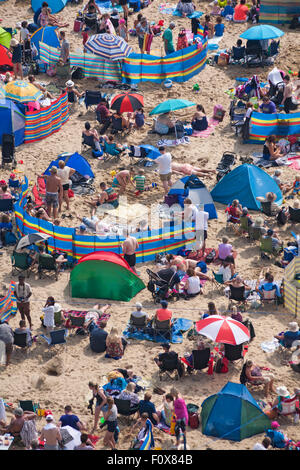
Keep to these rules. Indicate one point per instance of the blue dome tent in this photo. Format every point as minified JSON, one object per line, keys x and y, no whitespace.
{"x":232,"y":414}
{"x":55,"y":5}
{"x":47,"y":35}
{"x":12,"y":121}
{"x":245,"y":183}
{"x":75,"y":161}
{"x":192,"y":187}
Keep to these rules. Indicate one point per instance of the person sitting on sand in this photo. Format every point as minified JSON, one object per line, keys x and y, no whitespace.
{"x":292,"y":334}
{"x":185,"y":8}
{"x":69,"y":419}
{"x":129,"y":394}
{"x":91,"y":137}
{"x":208,"y":27}
{"x":234,"y":212}
{"x":164,"y":125}
{"x":270,"y":150}
{"x":192,"y":285}
{"x":5,"y":192}
{"x":199,"y":119}
{"x":279,"y":440}
{"x":102,"y":198}
{"x":33,"y":81}
{"x":122,"y":179}
{"x":254,"y":374}
{"x":146,"y":406}
{"x":73,"y":94}
{"x":86,"y":443}
{"x":114,"y":345}
{"x":53,"y":20}
{"x":215,"y":8}
{"x":16,"y":424}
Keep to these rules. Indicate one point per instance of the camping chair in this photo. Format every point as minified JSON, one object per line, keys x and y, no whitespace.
{"x":274,"y":48}
{"x":294,"y":215}
{"x":162,"y":329}
{"x":111,"y":151}
{"x":137,"y":153}
{"x":289,"y":406}
{"x":266,"y":246}
{"x":20,"y":263}
{"x":244,"y":227}
{"x":75,"y":322}
{"x":92,"y":98}
{"x":200,"y":359}
{"x":269,"y":296}
{"x":266,"y":208}
{"x":238,"y":55}
{"x":234,"y":352}
{"x":254,"y":54}
{"x":218,"y":280}
{"x":169,"y":369}
{"x":138,"y":323}
{"x":56,"y":337}
{"x":6,"y":205}
{"x":20,"y":340}
{"x":237,"y":294}
{"x":47,"y":263}
{"x":87,"y":142}
{"x":28,"y":405}
{"x":254,"y":233}
{"x":90,"y":20}
{"x":125,"y":410}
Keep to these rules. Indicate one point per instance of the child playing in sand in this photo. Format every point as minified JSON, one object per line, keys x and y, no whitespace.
{"x":219,"y":27}
{"x":139,"y":180}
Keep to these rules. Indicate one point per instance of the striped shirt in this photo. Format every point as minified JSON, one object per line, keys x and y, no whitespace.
{"x":139,"y":182}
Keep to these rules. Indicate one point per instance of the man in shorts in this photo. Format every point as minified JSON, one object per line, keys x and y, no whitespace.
{"x":130,"y":245}
{"x":54,"y":192}
{"x":22,"y":293}
{"x":164,"y":162}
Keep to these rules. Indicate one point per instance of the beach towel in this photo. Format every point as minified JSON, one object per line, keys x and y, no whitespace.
{"x":212,"y":123}
{"x":82,"y":313}
{"x":8,"y":305}
{"x":180,"y":325}
{"x":259,"y":161}
{"x":169,"y":9}
{"x":173,"y":142}
{"x":28,"y":432}
{"x":107,"y":7}
{"x":294,"y":161}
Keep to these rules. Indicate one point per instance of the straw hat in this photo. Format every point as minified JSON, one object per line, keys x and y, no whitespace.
{"x":293,"y":326}
{"x":282,"y":391}
{"x":14,"y":42}
{"x":69,"y":83}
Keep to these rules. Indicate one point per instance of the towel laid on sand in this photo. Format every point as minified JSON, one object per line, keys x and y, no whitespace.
{"x":180,"y":325}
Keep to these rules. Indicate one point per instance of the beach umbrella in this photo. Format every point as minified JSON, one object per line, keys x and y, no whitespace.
{"x":32,"y":238}
{"x":2,"y":92}
{"x":223,"y":330}
{"x":108,"y":46}
{"x":171,"y":105}
{"x":152,"y":152}
{"x":19,"y":90}
{"x":262,"y":31}
{"x":127,"y":102}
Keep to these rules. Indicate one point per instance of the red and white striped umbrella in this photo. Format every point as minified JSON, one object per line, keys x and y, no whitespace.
{"x":223,"y":330}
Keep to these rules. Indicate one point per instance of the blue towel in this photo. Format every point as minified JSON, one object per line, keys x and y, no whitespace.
{"x":180,"y":325}
{"x":196,"y":14}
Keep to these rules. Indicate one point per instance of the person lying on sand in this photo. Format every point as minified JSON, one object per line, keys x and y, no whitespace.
{"x":187,"y":169}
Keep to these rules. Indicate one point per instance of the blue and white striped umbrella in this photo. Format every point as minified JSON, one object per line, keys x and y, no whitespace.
{"x":108,"y":46}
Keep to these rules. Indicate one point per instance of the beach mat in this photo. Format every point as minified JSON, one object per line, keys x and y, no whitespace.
{"x":106,"y":7}
{"x":180,"y":325}
{"x":169,"y":9}
{"x":212,"y":123}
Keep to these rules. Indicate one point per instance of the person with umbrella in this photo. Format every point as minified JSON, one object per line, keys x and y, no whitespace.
{"x":23,"y":292}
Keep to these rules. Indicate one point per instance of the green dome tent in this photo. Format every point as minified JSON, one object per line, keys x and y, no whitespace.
{"x":104,"y":275}
{"x":5,"y":38}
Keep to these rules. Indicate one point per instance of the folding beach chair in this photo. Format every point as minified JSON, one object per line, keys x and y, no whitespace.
{"x":57,"y":337}
{"x":6,"y":205}
{"x":294,"y":215}
{"x":20,"y":263}
{"x":200,"y":358}
{"x":267,"y":247}
{"x":238,"y":55}
{"x":92,"y":98}
{"x":254,"y":233}
{"x":234,"y":352}
{"x":266,"y":208}
{"x":269,"y":297}
{"x":138,"y":323}
{"x":110,"y":151}
{"x":75,"y":322}
{"x":169,"y":368}
{"x":244,"y":227}
{"x":162,"y":329}
{"x":218,"y":280}
{"x":28,"y":405}
{"x":124,"y":408}
{"x":47,"y":263}
{"x":237,"y":294}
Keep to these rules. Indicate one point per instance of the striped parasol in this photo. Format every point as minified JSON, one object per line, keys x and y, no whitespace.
{"x":127,"y":102}
{"x":19,"y":90}
{"x":223,"y":330}
{"x":108,"y":46}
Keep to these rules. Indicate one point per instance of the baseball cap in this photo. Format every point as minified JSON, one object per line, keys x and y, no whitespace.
{"x":49,"y":418}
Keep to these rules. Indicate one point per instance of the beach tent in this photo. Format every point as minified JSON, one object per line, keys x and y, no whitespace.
{"x":292,"y":286}
{"x":12,"y":121}
{"x":46,"y":35}
{"x":245,"y":183}
{"x":4,"y":58}
{"x":192,"y":187}
{"x":232,"y":414}
{"x":55,"y":5}
{"x":104,"y":275}
{"x":278,"y":11}
{"x":75,"y":161}
{"x":5,"y":38}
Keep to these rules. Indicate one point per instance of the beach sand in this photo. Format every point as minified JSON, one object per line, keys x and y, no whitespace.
{"x":29,"y":376}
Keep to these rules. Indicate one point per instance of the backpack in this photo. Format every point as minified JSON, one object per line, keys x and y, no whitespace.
{"x":219,"y":112}
{"x":282,"y":217}
{"x":77,"y":73}
{"x":193,"y":415}
{"x":243,"y":377}
{"x":210,"y":257}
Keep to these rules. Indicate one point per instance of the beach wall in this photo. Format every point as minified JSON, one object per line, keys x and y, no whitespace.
{"x":44,"y":122}
{"x":168,"y":240}
{"x":278,"y":11}
{"x":281,"y":125}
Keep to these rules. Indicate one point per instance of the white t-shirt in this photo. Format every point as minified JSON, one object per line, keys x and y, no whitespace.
{"x":49,"y":316}
{"x":193,"y":285}
{"x":164,"y":163}
{"x":258,"y":446}
{"x":64,"y":174}
{"x":226,"y":273}
{"x":249,"y":112}
{"x":190,"y":212}
{"x":201,"y":220}
{"x":24,"y":33}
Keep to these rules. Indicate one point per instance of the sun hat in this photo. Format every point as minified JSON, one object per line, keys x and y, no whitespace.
{"x":49,"y":418}
{"x":275,"y":425}
{"x":69,"y":83}
{"x":282,"y":391}
{"x":138,"y":305}
{"x":14,"y":42}
{"x":18,"y":412}
{"x":293,"y":326}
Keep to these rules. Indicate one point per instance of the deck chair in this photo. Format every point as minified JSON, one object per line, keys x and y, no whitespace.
{"x":218,"y":280}
{"x":237,"y":294}
{"x":238,"y":55}
{"x":200,"y":358}
{"x":266,"y":208}
{"x":124,"y":408}
{"x":162,"y":329}
{"x":92,"y":98}
{"x":266,"y":246}
{"x":90,"y":20}
{"x":111,"y":151}
{"x":244,"y":227}
{"x":87,"y":143}
{"x":294,"y":215}
{"x":254,"y":233}
{"x":20,"y":340}
{"x":138,"y":323}
{"x":233,"y":352}
{"x":170,"y":369}
{"x":56,"y":337}
{"x":20,"y":263}
{"x":28,"y":405}
{"x":47,"y":263}
{"x":268,"y":297}
{"x":75,"y":322}
{"x":6,"y":205}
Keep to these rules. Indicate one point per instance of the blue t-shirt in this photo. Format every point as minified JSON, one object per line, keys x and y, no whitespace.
{"x":69,"y":420}
{"x":228,"y":10}
{"x":267,"y":286}
{"x":97,"y":338}
{"x":268,"y":108}
{"x":219,"y":29}
{"x":277,"y":438}
{"x":147,"y":407}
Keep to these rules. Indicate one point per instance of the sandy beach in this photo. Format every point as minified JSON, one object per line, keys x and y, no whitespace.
{"x":34,"y":376}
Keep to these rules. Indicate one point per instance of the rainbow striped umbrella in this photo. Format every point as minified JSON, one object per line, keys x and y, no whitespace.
{"x":19,"y":90}
{"x":108,"y":46}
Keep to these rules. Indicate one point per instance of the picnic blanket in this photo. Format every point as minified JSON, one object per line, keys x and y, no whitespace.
{"x":82,"y":313}
{"x":212,"y":123}
{"x":180,"y":325}
{"x":107,"y":7}
{"x":169,"y":9}
{"x":173,"y":142}
{"x":290,"y":159}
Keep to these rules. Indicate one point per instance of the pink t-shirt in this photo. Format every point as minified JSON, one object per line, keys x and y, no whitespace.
{"x":180,"y":410}
{"x":225,"y":249}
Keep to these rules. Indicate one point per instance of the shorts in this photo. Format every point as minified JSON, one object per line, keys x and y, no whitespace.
{"x":180,"y":425}
{"x":112,"y":426}
{"x":131,"y":259}
{"x":123,"y":2}
{"x":52,"y":199}
{"x":264,"y":379}
{"x":24,"y":308}
{"x":115,"y":183}
{"x":66,"y":186}
{"x":166,"y":177}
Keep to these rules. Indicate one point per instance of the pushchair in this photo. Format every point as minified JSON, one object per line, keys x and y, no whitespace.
{"x":237,"y":112}
{"x":8,"y":150}
{"x":159,"y":288}
{"x":225,"y":164}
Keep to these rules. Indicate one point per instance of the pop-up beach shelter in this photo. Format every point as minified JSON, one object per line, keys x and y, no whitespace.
{"x":5,"y":37}
{"x":75,"y":161}
{"x":232,"y":414}
{"x":245,"y":183}
{"x":48,"y":35}
{"x":5,"y":59}
{"x":55,"y":5}
{"x":104,"y":275}
{"x":193,"y":188}
{"x":12,"y":121}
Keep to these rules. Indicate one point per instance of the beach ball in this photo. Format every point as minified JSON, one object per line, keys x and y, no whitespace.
{"x":168,"y":83}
